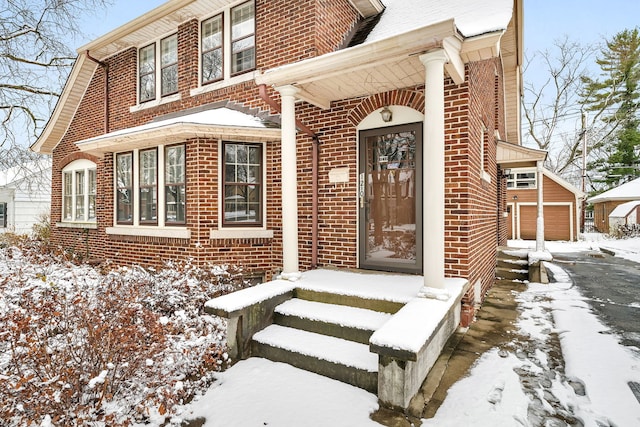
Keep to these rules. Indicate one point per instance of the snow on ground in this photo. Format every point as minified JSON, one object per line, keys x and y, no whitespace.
{"x":257,"y":392}
{"x":524,"y":385}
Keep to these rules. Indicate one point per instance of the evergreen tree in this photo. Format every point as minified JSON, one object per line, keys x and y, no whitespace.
{"x":615,"y":99}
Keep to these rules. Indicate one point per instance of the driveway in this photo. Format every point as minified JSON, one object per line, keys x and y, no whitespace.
{"x":612,"y":284}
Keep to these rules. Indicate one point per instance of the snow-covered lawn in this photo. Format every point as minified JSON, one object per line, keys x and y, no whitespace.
{"x":504,"y":388}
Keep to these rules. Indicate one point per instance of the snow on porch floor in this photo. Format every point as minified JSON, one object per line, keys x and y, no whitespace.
{"x":371,"y":285}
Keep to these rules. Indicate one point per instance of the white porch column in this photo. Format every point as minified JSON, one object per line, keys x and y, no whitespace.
{"x":540,"y":217}
{"x":289,"y":185}
{"x":433,"y":170}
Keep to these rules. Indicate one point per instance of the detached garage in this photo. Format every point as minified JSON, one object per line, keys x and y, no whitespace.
{"x":561,"y":206}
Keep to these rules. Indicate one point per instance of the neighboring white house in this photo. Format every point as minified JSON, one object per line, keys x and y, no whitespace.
{"x":25,"y":195}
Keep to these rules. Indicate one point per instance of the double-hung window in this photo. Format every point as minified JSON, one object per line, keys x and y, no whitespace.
{"x":153,"y":81}
{"x":243,"y":40}
{"x":174,"y":185}
{"x":148,"y":186}
{"x":212,"y":59}
{"x":79,"y":191}
{"x":228,"y":43}
{"x":139,"y":175}
{"x":242,"y":184}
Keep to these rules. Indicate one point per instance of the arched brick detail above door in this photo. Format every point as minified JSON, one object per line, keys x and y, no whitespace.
{"x":408,"y":98}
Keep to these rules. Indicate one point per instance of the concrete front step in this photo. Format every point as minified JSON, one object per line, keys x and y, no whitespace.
{"x":368,"y":303}
{"x":350,"y":323}
{"x":512,"y":274}
{"x":336,"y":358}
{"x":519,"y":264}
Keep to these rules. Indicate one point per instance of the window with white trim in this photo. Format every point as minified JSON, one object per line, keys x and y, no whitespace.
{"x":228,"y":43}
{"x":156,"y":82}
{"x":242,"y":185}
{"x":139,"y":174}
{"x":522,"y":179}
{"x":79,"y":191}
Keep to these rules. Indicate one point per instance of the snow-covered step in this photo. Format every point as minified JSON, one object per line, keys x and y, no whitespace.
{"x":350,"y":323}
{"x":342,"y":360}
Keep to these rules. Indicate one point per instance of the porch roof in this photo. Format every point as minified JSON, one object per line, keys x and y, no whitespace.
{"x":511,"y":155}
{"x":221,"y":123}
{"x":381,"y":65}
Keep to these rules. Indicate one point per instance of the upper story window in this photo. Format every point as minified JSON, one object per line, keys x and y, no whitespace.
{"x":242,"y":184}
{"x":212,"y":49}
{"x":149,"y":74}
{"x":79,"y":191}
{"x":228,"y":38}
{"x":522,"y":179}
{"x":139,"y":175}
{"x":243,"y":40}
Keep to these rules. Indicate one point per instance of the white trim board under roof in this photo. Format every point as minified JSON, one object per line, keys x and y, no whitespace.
{"x":219,"y":123}
{"x":510,"y":155}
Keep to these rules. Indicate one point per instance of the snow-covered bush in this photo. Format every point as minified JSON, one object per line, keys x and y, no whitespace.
{"x":81,"y":347}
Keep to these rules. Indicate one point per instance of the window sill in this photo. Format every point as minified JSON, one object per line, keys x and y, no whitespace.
{"x":155,"y":103}
{"x":170,"y":232}
{"x":241,"y":233}
{"x":87,"y":225}
{"x":223,"y":83}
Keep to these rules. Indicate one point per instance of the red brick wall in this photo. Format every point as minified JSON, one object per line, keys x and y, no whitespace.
{"x":292,"y":30}
{"x":471,"y":202}
{"x":475,"y":210}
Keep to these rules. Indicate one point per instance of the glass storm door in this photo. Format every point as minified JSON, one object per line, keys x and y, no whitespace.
{"x":390,"y":199}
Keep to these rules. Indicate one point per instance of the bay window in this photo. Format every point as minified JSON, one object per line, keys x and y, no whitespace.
{"x":141,"y":173}
{"x":175,"y":193}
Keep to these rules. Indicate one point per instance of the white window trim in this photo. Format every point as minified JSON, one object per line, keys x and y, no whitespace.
{"x":227,"y":79}
{"x":514,"y":172}
{"x":135,"y":229}
{"x":485,"y":175}
{"x":230,"y":232}
{"x":159,"y":99}
{"x":77,"y":165}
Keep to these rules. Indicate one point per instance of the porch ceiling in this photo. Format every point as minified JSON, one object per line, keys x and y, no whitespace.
{"x":381,"y":66}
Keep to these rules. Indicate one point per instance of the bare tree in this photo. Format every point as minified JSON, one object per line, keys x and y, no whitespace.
{"x":35,"y":59}
{"x":552,"y":107}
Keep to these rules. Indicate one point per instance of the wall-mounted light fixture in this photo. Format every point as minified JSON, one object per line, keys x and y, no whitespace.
{"x":515,"y":197}
{"x":506,"y":173}
{"x":386,"y":114}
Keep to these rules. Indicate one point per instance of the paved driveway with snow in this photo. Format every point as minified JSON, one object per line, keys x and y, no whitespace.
{"x":611,"y":285}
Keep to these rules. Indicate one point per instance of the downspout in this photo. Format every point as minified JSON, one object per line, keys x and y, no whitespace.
{"x":315,"y":155}
{"x":105,"y":66}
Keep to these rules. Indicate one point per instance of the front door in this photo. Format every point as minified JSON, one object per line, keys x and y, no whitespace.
{"x":390,"y":199}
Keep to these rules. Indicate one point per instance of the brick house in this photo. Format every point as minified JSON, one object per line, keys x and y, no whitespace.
{"x":288,"y":135}
{"x":561,"y":200}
